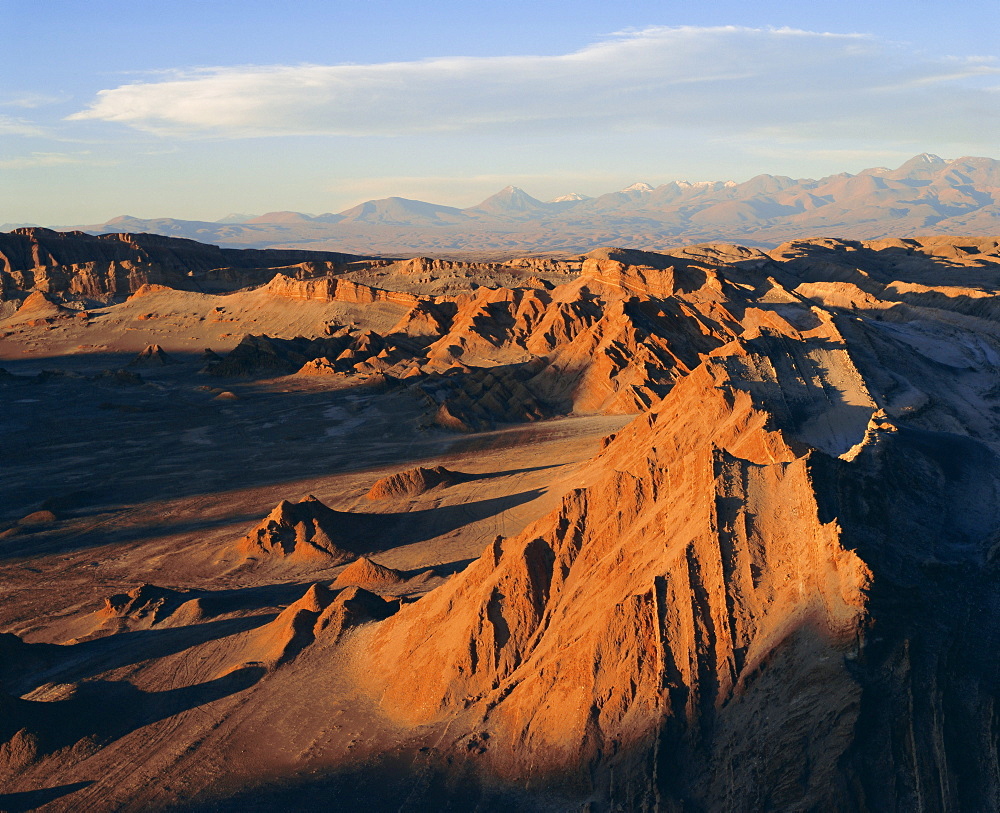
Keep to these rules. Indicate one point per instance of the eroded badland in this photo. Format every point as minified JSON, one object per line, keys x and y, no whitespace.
{"x":713,"y":529}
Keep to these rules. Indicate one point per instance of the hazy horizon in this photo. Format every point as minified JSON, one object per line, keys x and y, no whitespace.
{"x":226,"y":217}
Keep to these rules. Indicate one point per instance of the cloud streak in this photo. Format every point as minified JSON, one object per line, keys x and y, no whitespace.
{"x":19,"y":127}
{"x":725,"y":80}
{"x":45,"y":159}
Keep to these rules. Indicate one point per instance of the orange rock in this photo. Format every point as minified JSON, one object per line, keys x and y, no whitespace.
{"x":304,"y":530}
{"x":413,"y":481}
{"x":363,"y":572}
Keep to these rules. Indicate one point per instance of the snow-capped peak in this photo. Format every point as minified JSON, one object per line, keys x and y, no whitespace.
{"x":639,"y":186}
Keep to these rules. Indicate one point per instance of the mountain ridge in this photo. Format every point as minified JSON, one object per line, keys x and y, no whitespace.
{"x":926,"y":194}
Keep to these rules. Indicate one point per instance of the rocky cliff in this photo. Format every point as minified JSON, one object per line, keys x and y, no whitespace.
{"x":76,"y":265}
{"x":760,"y":598}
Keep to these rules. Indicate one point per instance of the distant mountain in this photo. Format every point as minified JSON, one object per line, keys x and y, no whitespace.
{"x":926,"y":195}
{"x":281,"y":217}
{"x":12,"y":226}
{"x":512,"y":200}
{"x":236,"y":217}
{"x":641,"y":186}
{"x":402,"y":212}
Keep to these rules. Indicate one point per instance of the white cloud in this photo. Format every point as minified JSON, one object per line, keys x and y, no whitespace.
{"x":722,"y":80}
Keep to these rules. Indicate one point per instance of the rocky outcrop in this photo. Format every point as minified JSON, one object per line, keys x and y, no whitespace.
{"x":141,"y":607}
{"x":38,"y":309}
{"x":413,"y":482}
{"x":363,"y":572}
{"x":427,"y":318}
{"x":152,"y":356}
{"x":343,"y":351}
{"x":279,"y":641}
{"x":469,"y":400}
{"x":306,"y":530}
{"x":321,"y":615}
{"x":331,"y":289}
{"x":261,"y":355}
{"x":353,"y":606}
{"x":76,"y":265}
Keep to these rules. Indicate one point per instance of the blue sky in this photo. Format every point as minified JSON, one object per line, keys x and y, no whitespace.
{"x":198,"y":109}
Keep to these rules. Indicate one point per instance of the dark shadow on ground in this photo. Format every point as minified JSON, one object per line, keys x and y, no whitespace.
{"x":31,"y":799}
{"x":35,"y":541}
{"x":75,"y":662}
{"x":396,"y":530}
{"x":371,"y":532}
{"x":106,"y":710}
{"x":493,"y":475}
{"x":79,"y":443}
{"x":447,"y":569}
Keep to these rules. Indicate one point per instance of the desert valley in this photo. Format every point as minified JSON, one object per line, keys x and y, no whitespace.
{"x":708,"y":527}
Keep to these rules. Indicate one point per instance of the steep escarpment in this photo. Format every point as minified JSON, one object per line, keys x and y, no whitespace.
{"x":626,"y":623}
{"x":741,"y":576}
{"x":912,"y":503}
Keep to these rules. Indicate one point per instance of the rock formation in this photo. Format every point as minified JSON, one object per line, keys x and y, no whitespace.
{"x":302,"y":531}
{"x":152,"y":355}
{"x":76,"y":265}
{"x":38,"y":309}
{"x":414,"y":481}
{"x":144,"y":607}
{"x":752,"y":565}
{"x":363,"y":572}
{"x":739,"y":579}
{"x":352,"y":607}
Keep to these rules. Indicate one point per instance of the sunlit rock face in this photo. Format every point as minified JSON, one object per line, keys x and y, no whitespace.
{"x":709,"y":529}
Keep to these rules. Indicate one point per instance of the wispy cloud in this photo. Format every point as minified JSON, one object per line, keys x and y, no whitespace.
{"x":10,"y":126}
{"x":46,"y":159}
{"x":31,"y":100}
{"x":727,"y":78}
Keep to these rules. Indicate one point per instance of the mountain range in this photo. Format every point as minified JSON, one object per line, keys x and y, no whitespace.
{"x":926,"y":195}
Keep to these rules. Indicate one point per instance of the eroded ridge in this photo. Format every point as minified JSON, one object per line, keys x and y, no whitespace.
{"x":769,"y":587}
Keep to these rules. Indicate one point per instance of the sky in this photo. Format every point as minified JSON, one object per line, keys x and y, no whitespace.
{"x":197,"y":109}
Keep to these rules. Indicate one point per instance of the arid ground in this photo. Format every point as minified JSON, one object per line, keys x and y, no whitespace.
{"x":712,"y":529}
